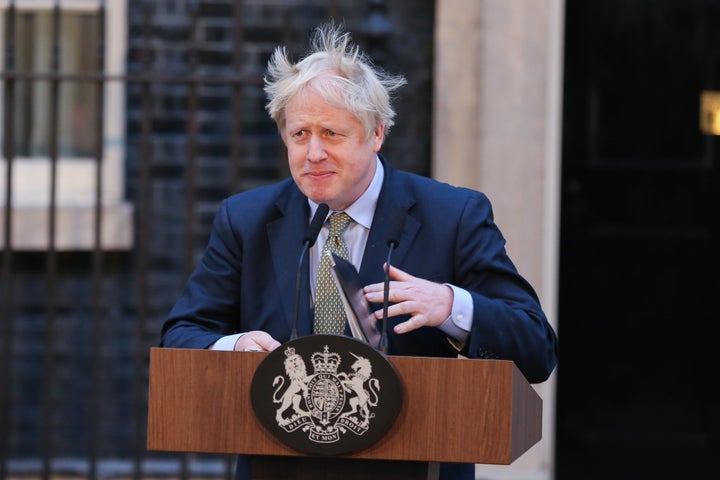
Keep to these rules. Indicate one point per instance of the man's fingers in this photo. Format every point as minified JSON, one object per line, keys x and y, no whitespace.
{"x":412,"y":323}
{"x":428,"y":303}
{"x":256,"y":341}
{"x":396,"y":293}
{"x":268,"y":344}
{"x":395,"y":274}
{"x":400,"y":275}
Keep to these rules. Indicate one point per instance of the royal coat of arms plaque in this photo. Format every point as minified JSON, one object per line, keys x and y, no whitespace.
{"x":326,"y":394}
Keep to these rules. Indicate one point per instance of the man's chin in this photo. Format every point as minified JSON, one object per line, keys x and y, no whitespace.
{"x":323,"y":197}
{"x":335,"y":198}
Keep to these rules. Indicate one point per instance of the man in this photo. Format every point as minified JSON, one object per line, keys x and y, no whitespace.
{"x":453,"y":287}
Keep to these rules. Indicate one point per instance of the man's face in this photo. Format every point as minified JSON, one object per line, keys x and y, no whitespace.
{"x":330,"y":158}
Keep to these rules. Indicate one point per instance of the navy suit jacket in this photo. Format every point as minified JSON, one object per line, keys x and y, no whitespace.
{"x":246,"y":278}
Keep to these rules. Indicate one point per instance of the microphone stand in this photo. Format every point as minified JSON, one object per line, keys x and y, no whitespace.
{"x":298,"y":282}
{"x":308,"y":241}
{"x":383,"y":344}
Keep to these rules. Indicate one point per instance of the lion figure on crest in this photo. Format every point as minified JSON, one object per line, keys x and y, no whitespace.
{"x":297,"y":373}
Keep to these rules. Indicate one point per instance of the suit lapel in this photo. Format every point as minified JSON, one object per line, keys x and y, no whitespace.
{"x":285,"y":238}
{"x":392,"y":208}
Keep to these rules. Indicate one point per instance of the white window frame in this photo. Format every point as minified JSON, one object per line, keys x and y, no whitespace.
{"x":75,"y":186}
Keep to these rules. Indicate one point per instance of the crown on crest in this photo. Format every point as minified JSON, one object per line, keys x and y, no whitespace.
{"x":325,"y":362}
{"x":289,"y":352}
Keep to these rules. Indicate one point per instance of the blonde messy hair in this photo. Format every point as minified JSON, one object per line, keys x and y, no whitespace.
{"x":340,"y":72}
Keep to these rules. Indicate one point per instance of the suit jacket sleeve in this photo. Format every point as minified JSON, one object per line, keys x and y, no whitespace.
{"x":508,"y":322}
{"x":208,"y":307}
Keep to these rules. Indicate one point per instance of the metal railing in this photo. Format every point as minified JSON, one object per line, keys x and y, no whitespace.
{"x":32,"y":399}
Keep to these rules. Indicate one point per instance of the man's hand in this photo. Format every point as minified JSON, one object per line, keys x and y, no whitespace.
{"x":256,"y":341}
{"x":428,"y":303}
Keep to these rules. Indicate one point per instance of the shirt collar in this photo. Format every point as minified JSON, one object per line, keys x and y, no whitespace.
{"x":363,"y":209}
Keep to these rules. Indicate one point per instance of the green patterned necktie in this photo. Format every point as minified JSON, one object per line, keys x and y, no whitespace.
{"x":329,"y":311}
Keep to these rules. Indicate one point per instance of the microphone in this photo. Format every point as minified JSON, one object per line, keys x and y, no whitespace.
{"x":392,"y":243}
{"x":309,"y":239}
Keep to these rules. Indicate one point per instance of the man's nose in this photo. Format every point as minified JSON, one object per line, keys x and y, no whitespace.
{"x":316,"y":149}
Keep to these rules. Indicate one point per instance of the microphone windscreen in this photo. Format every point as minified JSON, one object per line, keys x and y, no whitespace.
{"x":396,"y":226}
{"x":316,"y":224}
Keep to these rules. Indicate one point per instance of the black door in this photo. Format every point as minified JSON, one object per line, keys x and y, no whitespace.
{"x":639,"y":289}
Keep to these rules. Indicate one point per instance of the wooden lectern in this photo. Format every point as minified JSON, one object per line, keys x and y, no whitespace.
{"x":454,"y":410}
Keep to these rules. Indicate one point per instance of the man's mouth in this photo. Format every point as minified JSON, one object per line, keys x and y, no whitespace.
{"x":319,"y":175}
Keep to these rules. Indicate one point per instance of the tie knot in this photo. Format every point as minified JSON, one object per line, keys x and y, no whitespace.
{"x":338,"y":223}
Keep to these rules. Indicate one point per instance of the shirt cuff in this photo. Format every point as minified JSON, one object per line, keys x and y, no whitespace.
{"x":459,"y":323}
{"x":226,"y":343}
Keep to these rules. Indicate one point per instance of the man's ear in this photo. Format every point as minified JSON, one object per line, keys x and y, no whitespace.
{"x":378,"y":137}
